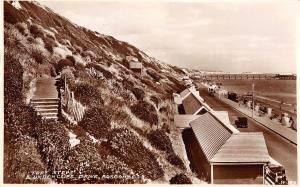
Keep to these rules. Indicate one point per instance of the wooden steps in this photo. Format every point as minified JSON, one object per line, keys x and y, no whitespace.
{"x":46,"y":107}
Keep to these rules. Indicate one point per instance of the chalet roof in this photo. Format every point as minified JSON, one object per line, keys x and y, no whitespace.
{"x":184,"y":93}
{"x":191,"y":104}
{"x":210,"y":134}
{"x":224,"y":118}
{"x":246,"y":147}
{"x":183,"y":121}
{"x":220,"y":144}
{"x":135,"y":65}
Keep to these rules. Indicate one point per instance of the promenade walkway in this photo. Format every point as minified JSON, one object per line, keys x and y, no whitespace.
{"x":273,"y":125}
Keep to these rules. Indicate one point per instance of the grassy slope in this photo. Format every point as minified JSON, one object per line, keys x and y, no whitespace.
{"x":124,"y":145}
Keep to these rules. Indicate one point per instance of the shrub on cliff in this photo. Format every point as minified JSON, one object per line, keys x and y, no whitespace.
{"x":176,"y":161}
{"x":138,"y":93}
{"x":96,"y":121}
{"x":129,"y":148}
{"x":180,"y":179}
{"x":145,"y":111}
{"x":87,"y":94}
{"x":160,"y":141}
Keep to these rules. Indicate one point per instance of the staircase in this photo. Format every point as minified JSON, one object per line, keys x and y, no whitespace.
{"x":46,"y":107}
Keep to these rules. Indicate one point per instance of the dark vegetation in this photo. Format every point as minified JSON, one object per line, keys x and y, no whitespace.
{"x":96,"y":121}
{"x":134,"y":153}
{"x":176,"y":161}
{"x":180,"y":179}
{"x":145,"y":111}
{"x":13,"y":16}
{"x":53,"y":143}
{"x":18,"y":120}
{"x":152,"y":73}
{"x":161,"y":141}
{"x":64,"y":63}
{"x":138,"y":93}
{"x":97,"y":67}
{"x":87,"y":94}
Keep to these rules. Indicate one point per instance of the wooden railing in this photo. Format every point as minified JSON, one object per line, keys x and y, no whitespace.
{"x":74,"y":108}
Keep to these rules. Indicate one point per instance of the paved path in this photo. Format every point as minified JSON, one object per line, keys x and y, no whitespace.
{"x":45,"y":88}
{"x":277,"y":127}
{"x":279,"y":148}
{"x":45,"y":99}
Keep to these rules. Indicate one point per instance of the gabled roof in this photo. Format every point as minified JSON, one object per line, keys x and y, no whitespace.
{"x":222,"y":145}
{"x":224,"y":118}
{"x":191,"y":104}
{"x":243,"y":147}
{"x":210,"y":134}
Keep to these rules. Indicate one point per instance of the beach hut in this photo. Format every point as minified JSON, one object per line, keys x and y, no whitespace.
{"x":225,"y":157}
{"x":134,"y":64}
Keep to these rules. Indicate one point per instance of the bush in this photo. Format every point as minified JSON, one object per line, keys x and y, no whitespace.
{"x":166,"y":128}
{"x":90,"y":54}
{"x":49,"y":44}
{"x":160,"y":141}
{"x":19,"y":163}
{"x":180,"y":179}
{"x":145,"y":111}
{"x":127,"y":84}
{"x":96,"y":121}
{"x":36,"y":31}
{"x":163,"y":109}
{"x":88,"y":159}
{"x":97,"y":67}
{"x":79,"y":131}
{"x":53,"y":143}
{"x":151,"y":85}
{"x":155,"y":76}
{"x":88,"y":95}
{"x":22,"y":28}
{"x":64,"y":63}
{"x":138,"y":93}
{"x":71,"y":58}
{"x":129,"y":148}
{"x":176,"y":161}
{"x":38,"y":55}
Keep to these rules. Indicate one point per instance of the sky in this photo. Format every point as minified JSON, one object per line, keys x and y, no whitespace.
{"x":231,"y":36}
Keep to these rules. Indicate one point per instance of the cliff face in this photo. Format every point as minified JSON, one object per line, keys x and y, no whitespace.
{"x":126,"y":134}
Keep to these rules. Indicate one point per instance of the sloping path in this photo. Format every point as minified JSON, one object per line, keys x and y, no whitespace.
{"x":45,"y":88}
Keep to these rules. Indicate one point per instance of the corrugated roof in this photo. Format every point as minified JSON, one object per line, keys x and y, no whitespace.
{"x":224,"y":118}
{"x":243,"y":147}
{"x":210,"y":134}
{"x":191,"y":104}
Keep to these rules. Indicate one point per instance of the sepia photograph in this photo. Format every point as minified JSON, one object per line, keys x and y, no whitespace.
{"x":150,"y":92}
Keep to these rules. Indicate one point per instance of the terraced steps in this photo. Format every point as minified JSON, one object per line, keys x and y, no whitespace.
{"x":46,"y":107}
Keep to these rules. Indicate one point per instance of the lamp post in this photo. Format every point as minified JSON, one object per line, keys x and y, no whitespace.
{"x":252,"y":100}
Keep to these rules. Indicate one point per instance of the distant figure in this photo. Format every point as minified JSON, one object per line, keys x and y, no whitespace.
{"x":291,"y":122}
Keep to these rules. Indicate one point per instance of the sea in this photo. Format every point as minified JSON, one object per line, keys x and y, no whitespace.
{"x":274,"y":91}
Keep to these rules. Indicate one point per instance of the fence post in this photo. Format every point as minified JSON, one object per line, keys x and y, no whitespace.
{"x":65,"y":82}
